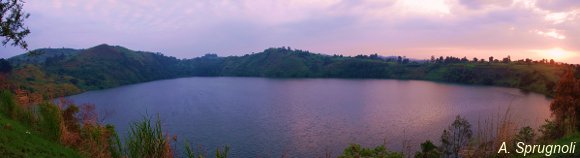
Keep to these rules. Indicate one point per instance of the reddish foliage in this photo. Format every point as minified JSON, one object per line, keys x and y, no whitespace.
{"x":566,"y":104}
{"x":88,"y":114}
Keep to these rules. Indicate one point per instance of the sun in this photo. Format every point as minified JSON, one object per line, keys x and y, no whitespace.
{"x":555,"y":53}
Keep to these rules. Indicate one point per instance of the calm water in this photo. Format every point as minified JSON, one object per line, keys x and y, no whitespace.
{"x":308,"y":117}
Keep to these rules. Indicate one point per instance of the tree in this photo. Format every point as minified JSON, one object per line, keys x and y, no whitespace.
{"x":456,"y":137}
{"x":5,"y":66}
{"x":428,"y":150}
{"x":491,"y":59}
{"x":566,"y":103}
{"x":399,"y":59}
{"x":507,"y":59}
{"x":12,"y":23}
{"x":526,"y":135}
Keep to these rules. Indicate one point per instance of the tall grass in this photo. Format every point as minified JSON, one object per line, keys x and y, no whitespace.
{"x":11,"y":108}
{"x":7,"y":103}
{"x":491,"y":133}
{"x":50,"y":121}
{"x":190,"y":152}
{"x":146,"y":140}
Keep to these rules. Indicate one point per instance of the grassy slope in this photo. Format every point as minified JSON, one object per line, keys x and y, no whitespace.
{"x":15,"y":142}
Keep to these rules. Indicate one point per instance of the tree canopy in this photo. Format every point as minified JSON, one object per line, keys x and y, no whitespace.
{"x":12,"y":28}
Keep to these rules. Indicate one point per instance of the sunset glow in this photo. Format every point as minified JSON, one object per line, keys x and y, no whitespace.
{"x":412,"y":28}
{"x":556,"y":54}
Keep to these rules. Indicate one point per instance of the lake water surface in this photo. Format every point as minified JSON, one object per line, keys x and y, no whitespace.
{"x":260,"y":117}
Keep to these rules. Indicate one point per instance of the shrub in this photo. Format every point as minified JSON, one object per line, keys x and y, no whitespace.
{"x":526,"y":135}
{"x":355,"y":150}
{"x":50,"y":120}
{"x":428,"y":150}
{"x":7,"y":103}
{"x":550,"y":131}
{"x":97,"y":141}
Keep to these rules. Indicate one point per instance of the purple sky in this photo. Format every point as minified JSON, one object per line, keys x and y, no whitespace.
{"x":412,"y":28}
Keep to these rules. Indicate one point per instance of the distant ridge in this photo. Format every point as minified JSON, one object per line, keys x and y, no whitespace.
{"x":105,"y":66}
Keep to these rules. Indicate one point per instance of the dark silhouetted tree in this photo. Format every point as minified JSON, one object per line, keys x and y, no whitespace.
{"x":399,"y":59}
{"x":507,"y":59}
{"x":428,"y":150}
{"x":456,"y":137}
{"x":12,"y":23}
{"x":5,"y":66}
{"x":491,"y":59}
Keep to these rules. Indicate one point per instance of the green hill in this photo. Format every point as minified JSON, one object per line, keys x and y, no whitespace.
{"x":106,"y":66}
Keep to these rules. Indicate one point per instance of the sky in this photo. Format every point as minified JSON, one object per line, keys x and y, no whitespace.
{"x":413,"y":28}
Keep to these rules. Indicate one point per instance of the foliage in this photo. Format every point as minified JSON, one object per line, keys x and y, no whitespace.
{"x":50,"y":121}
{"x":12,"y":23}
{"x":20,"y":140}
{"x":5,"y":66}
{"x":566,"y":104}
{"x":355,"y":150}
{"x":191,"y":153}
{"x":106,"y":66}
{"x":223,"y":153}
{"x":146,"y":140}
{"x":550,"y":131}
{"x":456,"y":137}
{"x":7,"y":103}
{"x":11,"y":108}
{"x":96,"y":141}
{"x":526,"y":135}
{"x":428,"y":150}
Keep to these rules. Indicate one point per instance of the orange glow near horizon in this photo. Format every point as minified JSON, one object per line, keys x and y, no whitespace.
{"x":556,"y":53}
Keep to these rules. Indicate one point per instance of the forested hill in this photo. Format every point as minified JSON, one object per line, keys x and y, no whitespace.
{"x":106,"y":66}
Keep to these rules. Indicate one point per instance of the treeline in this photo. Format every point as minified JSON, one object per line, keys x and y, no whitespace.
{"x":107,"y":66}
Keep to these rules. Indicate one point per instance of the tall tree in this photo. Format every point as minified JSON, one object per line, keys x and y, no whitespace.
{"x":12,"y":27}
{"x":456,"y":137}
{"x":566,"y":104}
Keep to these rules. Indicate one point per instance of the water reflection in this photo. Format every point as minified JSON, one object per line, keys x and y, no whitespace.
{"x":308,"y":117}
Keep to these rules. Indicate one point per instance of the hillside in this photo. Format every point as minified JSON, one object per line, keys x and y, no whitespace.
{"x":18,"y":140}
{"x":106,"y":66}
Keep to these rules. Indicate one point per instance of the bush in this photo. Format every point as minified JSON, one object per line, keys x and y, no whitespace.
{"x":98,"y":141}
{"x":526,"y":135}
{"x":550,"y":131}
{"x":355,"y":150}
{"x":428,"y":150}
{"x":7,"y":103}
{"x":50,"y":120}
